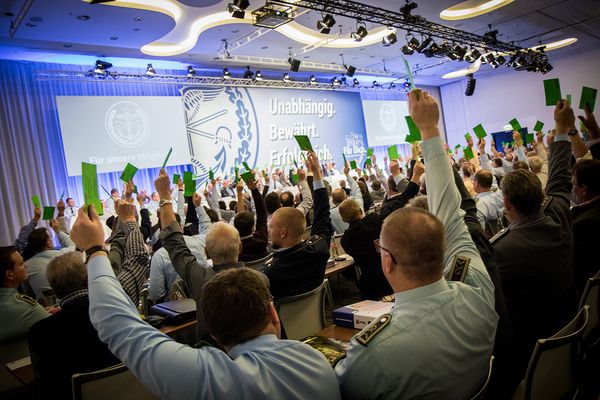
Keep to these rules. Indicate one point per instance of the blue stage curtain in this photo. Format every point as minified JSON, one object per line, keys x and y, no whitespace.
{"x":31,"y":149}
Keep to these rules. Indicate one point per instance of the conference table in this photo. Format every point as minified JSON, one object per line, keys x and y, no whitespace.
{"x":338,"y":332}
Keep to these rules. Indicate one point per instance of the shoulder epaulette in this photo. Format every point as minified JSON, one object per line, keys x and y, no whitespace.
{"x":545,"y":203}
{"x":498,"y":235}
{"x":459,"y":269}
{"x":26,"y":299}
{"x":371,"y":330}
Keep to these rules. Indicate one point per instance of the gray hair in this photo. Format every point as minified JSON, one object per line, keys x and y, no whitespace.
{"x":419,"y":202}
{"x":67,"y":273}
{"x":223,"y":243}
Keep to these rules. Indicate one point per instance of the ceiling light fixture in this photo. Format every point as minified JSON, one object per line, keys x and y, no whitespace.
{"x":237,"y":8}
{"x":258,"y":76}
{"x":312,"y":80}
{"x":191,"y":72}
{"x":294,"y":64}
{"x":355,"y":82}
{"x":101,"y":67}
{"x":389,"y":39}
{"x":226,"y":73}
{"x":360,"y":33}
{"x":472,"y":55}
{"x":324,"y":26}
{"x":556,"y":45}
{"x":248,"y":74}
{"x":407,"y":50}
{"x":150,"y":71}
{"x":335,"y":81}
{"x":286,"y":77}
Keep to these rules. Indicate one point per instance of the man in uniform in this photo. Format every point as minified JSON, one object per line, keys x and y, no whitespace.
{"x":437,"y":341}
{"x":17,"y":312}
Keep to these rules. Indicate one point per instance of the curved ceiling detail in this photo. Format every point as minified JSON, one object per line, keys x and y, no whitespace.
{"x":472,"y":8}
{"x":191,"y":22}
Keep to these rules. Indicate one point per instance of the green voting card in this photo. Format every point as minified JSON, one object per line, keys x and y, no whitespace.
{"x":369,"y":152}
{"x":457,"y":146}
{"x":62,"y":195}
{"x":303,"y":142}
{"x":35,"y":199}
{"x":245,"y":164}
{"x":176,"y":178}
{"x":167,"y":158}
{"x":479,"y":131}
{"x":569,"y":99}
{"x":48,"y":213}
{"x":190,"y":183}
{"x":211,"y":175}
{"x":129,"y":172}
{"x":468,"y":153}
{"x":248,"y":176}
{"x":588,"y":96}
{"x":368,"y":162}
{"x":467,"y":137}
{"x":353,"y":164}
{"x":413,"y":130}
{"x":89,"y":179}
{"x":552,"y":91}
{"x":409,"y":73}
{"x":530,"y":138}
{"x":515,"y":124}
{"x":393,"y":152}
{"x":538,"y":126}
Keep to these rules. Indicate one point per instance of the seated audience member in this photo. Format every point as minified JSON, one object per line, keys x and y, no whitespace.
{"x":227,"y":190}
{"x":66,"y":343}
{"x":534,"y":254}
{"x":586,"y":220}
{"x":71,"y":208}
{"x":298,"y":266}
{"x":152,"y":206}
{"x":17,"y":312}
{"x":111,"y":202}
{"x":377,"y":194}
{"x":407,"y":354}
{"x":338,"y":196}
{"x":490,"y":204}
{"x":239,"y":315}
{"x":39,"y":252}
{"x":364,"y":191}
{"x":520,"y":165}
{"x":343,"y":186}
{"x":254,"y":240}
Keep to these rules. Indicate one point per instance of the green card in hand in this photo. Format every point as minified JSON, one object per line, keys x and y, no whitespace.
{"x":413,"y":130}
{"x":369,"y":152}
{"x":353,"y":164}
{"x":246,"y":166}
{"x":176,"y":178}
{"x":248,"y":176}
{"x":368,"y":162}
{"x":530,"y":138}
{"x":457,"y":146}
{"x":211,"y":175}
{"x":36,"y":201}
{"x":569,"y":99}
{"x":167,"y":158}
{"x":48,"y":213}
{"x":304,"y":142}
{"x":515,"y":124}
{"x":588,"y":96}
{"x":89,"y":179}
{"x":190,"y":184}
{"x":479,"y":131}
{"x":467,"y":136}
{"x":468,"y":153}
{"x":538,"y":126}
{"x":393,"y":152}
{"x":129,"y":172}
{"x":552,"y":91}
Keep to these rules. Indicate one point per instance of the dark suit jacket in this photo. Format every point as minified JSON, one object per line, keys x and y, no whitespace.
{"x":228,"y":192}
{"x":64,"y":344}
{"x":586,"y":225}
{"x":358,"y":242}
{"x":255,"y":247}
{"x":301,"y":268}
{"x":534,"y":257}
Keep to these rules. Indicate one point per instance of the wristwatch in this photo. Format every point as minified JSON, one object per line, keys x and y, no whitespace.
{"x":93,"y":250}
{"x":162,"y":202}
{"x":572,"y":132}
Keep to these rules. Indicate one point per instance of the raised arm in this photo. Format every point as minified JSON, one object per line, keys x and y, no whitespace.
{"x":321,"y":220}
{"x":354,"y":188}
{"x":26,"y":230}
{"x":400,"y":200}
{"x":559,"y":166}
{"x":442,"y":195}
{"x":261,"y":230}
{"x":307,"y":199}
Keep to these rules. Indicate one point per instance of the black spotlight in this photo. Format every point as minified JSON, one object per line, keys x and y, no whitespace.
{"x":389,"y":39}
{"x":375,"y":84}
{"x":150,"y":71}
{"x":191,"y":72}
{"x":312,"y":80}
{"x":407,"y":86}
{"x":248,"y":74}
{"x":423,"y":45}
{"x":236,"y":9}
{"x":101,"y":67}
{"x":335,"y":81}
{"x":413,"y":43}
{"x":433,"y":50}
{"x":355,"y":82}
{"x":490,"y":37}
{"x":472,"y":56}
{"x":294,"y":64}
{"x":325,"y":25}
{"x":226,"y":73}
{"x":407,"y":50}
{"x":286,"y":77}
{"x":361,"y":32}
{"x":350,"y":70}
{"x":392,"y":85}
{"x":258,"y":76}
{"x":500,"y":59}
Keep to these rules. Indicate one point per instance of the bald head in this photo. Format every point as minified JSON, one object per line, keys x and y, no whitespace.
{"x":287,"y":227}
{"x":223,"y":243}
{"x":350,"y":210}
{"x":484,"y":179}
{"x":338,"y":195}
{"x":415,"y":238}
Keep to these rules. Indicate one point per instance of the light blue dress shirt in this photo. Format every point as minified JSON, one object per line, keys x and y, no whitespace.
{"x":441,"y":336}
{"x":261,"y":368}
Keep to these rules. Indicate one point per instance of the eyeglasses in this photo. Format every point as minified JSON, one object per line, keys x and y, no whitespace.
{"x":378,"y":249}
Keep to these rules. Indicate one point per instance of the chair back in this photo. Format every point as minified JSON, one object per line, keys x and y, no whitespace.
{"x":551,"y":371}
{"x":591,"y":298}
{"x":303,"y":315}
{"x":481,"y":392}
{"x":258,"y":264}
{"x":115,"y":382}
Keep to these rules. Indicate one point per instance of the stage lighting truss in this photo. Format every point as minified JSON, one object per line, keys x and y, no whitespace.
{"x":459,"y":41}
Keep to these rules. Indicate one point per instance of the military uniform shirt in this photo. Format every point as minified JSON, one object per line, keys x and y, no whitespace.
{"x":18,"y":313}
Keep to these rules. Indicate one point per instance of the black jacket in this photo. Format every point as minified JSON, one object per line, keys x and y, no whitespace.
{"x":586,"y":225}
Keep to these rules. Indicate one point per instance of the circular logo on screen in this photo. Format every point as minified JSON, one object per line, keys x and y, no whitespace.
{"x":127,"y":124}
{"x":387,"y":117}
